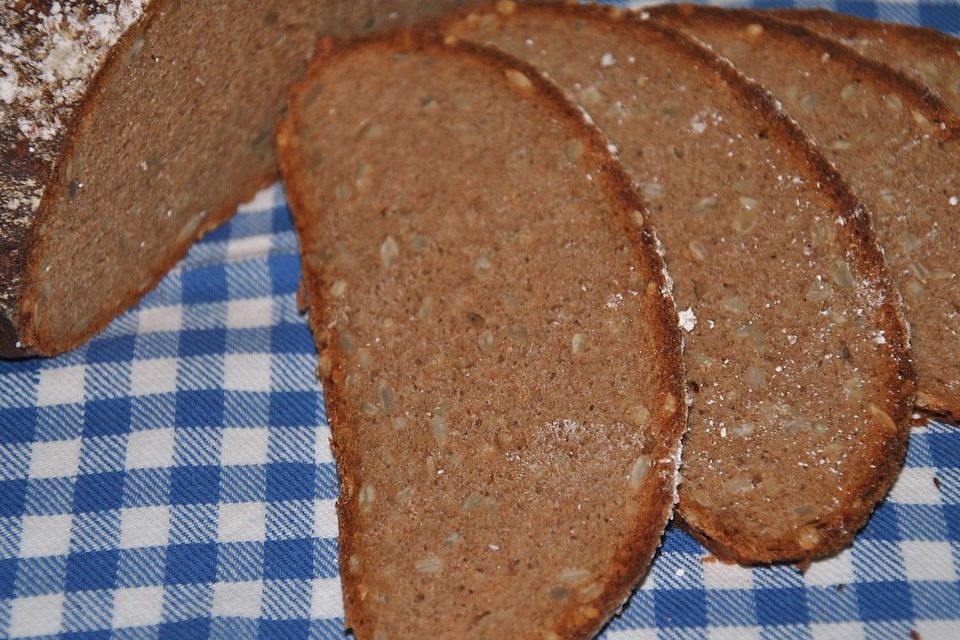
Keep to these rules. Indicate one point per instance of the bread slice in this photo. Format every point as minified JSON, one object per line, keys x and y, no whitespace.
{"x":497,"y":340}
{"x":127,"y":129}
{"x":926,"y":55}
{"x":896,"y":144}
{"x":796,"y":351}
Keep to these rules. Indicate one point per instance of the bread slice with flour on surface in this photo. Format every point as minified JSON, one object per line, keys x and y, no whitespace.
{"x":896,"y":144}
{"x":796,"y":350}
{"x":127,"y":129}
{"x":497,"y":342}
{"x":927,"y":55}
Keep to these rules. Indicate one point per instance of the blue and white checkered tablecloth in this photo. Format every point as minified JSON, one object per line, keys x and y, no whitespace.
{"x":173,"y":479}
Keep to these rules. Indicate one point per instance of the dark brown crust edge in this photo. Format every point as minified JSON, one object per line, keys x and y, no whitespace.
{"x":837,"y":532}
{"x":922,"y":97}
{"x":634,"y":556}
{"x":20,"y":338}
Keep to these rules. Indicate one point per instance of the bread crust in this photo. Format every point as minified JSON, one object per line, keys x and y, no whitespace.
{"x":837,"y":531}
{"x":636,"y":552}
{"x":925,"y":101}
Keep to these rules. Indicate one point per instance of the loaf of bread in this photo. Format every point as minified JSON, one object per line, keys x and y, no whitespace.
{"x":796,"y":350}
{"x":927,"y":55}
{"x":896,"y":144}
{"x":497,"y":340}
{"x":127,"y":129}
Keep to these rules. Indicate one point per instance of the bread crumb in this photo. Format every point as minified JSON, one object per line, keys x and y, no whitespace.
{"x":607,"y":60}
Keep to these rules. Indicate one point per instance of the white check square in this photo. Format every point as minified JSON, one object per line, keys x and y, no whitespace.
{"x":242,"y":522}
{"x":144,"y":527}
{"x":247,"y":372}
{"x":149,"y":377}
{"x":327,"y":599}
{"x":160,"y":319}
{"x":151,"y":448}
{"x":36,"y":616}
{"x":137,"y":607}
{"x":924,"y":560}
{"x":45,"y":536}
{"x":59,"y":459}
{"x":63,"y":385}
{"x":237,"y":599}
{"x":247,"y":314}
{"x":244,"y":446}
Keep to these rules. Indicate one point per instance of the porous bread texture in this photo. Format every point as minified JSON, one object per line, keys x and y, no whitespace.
{"x":895,"y":143}
{"x":127,"y":129}
{"x":927,"y":55}
{"x":497,"y":341}
{"x":796,"y":348}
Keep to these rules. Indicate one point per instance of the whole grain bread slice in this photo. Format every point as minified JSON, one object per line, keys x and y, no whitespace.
{"x":796,"y":348}
{"x":896,"y":144}
{"x":927,"y":55}
{"x":498,"y":343}
{"x":128,"y":128}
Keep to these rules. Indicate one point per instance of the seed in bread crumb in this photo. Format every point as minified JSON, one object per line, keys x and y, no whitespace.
{"x":841,"y":145}
{"x":849,"y":91}
{"x":573,"y":149}
{"x":640,"y":416}
{"x":754,"y":30}
{"x":438,"y":427}
{"x":366,"y":496}
{"x":703,"y":205}
{"x":808,"y":537}
{"x":893,"y":102}
{"x":518,"y":333}
{"x":404,"y":495}
{"x":425,"y":311}
{"x":518,"y":80}
{"x":755,"y":377}
{"x":387,"y":399}
{"x":574,"y":576}
{"x":482,"y":265}
{"x":389,"y":252}
{"x":638,"y":472}
{"x":559,"y":593}
{"x":338,"y":288}
{"x":740,"y":484}
{"x":472,"y":502}
{"x":745,"y":221}
{"x":578,"y":344}
{"x":370,"y":409}
{"x":589,"y":591}
{"x":809,"y":101}
{"x":431,"y":467}
{"x":697,"y":251}
{"x":380,"y":634}
{"x":840,"y":273}
{"x":485,"y":341}
{"x":882,"y":417}
{"x":452,"y":539}
{"x":354,"y":564}
{"x":324,"y":366}
{"x":669,"y":404}
{"x":431,"y":564}
{"x":506,"y":7}
{"x":652,"y":190}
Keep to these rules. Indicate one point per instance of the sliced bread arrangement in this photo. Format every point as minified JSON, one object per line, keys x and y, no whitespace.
{"x":128,"y":128}
{"x":480,"y":205}
{"x":927,"y":55}
{"x":497,"y":339}
{"x":796,"y":351}
{"x":897,"y":145}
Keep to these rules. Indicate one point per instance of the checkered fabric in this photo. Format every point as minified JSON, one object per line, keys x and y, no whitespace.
{"x":173,"y":479}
